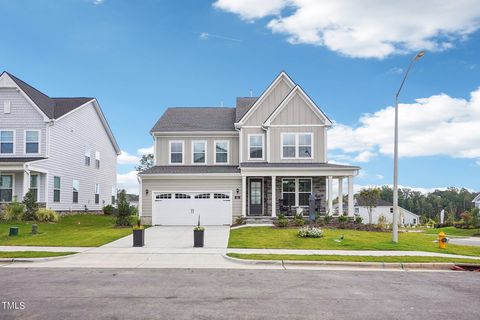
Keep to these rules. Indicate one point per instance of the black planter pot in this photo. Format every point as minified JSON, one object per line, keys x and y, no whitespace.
{"x":198,"y":236}
{"x":139,"y":238}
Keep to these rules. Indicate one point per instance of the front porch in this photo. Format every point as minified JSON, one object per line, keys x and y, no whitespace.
{"x":17,"y":180}
{"x":287,"y":192}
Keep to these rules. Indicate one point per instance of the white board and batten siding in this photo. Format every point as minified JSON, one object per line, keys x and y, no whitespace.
{"x":69,"y":138}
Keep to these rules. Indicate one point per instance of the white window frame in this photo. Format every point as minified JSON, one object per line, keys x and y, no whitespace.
{"x":13,"y":187}
{"x":193,"y":152}
{"x":297,"y":189}
{"x":97,"y":192}
{"x":59,"y":190}
{"x":73,"y":190}
{"x":14,"y":139}
{"x":97,"y":159}
{"x":88,"y":153}
{"x":215,"y":151}
{"x":297,"y":145}
{"x":37,"y":187}
{"x":170,"y":152}
{"x":263,"y":146}
{"x":7,"y":107}
{"x":25,"y":141}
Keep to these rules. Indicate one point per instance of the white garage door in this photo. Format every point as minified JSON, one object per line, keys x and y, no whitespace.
{"x":184,"y":208}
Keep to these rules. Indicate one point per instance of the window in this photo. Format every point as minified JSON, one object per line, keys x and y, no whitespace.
{"x":221,"y":196}
{"x":56,"y":189}
{"x":297,"y":145}
{"x":163,"y":196}
{"x":255,"y":146}
{"x":176,"y":152}
{"x":199,"y":152}
{"x":6,"y":188}
{"x":182,"y":196}
{"x":34,"y":186}
{"x":202,"y":196}
{"x":75,"y":189}
{"x":87,"y":156}
{"x":97,"y":193}
{"x":414,"y":221}
{"x":32,"y":141}
{"x":6,"y":141}
{"x":114,"y":195}
{"x":391,"y":210}
{"x":222,"y":149}
{"x":357,"y":210}
{"x":97,"y":159}
{"x":296,"y":191}
{"x":7,"y":108}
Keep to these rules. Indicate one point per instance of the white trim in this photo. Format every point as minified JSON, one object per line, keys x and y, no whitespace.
{"x":306,"y":99}
{"x":215,"y":152}
{"x":291,"y":172}
{"x":38,"y":184}
{"x":185,"y":134}
{"x":13,"y":185}
{"x":251,"y":127}
{"x":263,"y":146}
{"x":13,"y":141}
{"x":39,"y":142}
{"x":268,"y":147}
{"x":140,"y":195}
{"x":262,"y":195}
{"x":297,"y":188}
{"x":297,"y":146}
{"x":295,"y":125}
{"x":154,"y":150}
{"x":170,"y":152}
{"x":192,"y":144}
{"x":252,"y":110}
{"x":60,"y":189}
{"x":7,"y":107}
{"x":274,"y":195}
{"x":190,"y":176}
{"x":244,"y":196}
{"x":240,"y":144}
{"x":325,"y":148}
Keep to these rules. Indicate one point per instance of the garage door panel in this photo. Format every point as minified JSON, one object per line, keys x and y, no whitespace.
{"x":185,"y":208}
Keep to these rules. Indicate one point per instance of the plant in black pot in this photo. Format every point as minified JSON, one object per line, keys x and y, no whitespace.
{"x":198,"y":235}
{"x":138,"y":234}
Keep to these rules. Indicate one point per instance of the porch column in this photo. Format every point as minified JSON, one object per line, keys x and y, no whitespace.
{"x":350,"y":196}
{"x":274,"y":197}
{"x":26,"y":183}
{"x":330,"y":200}
{"x":244,"y":196}
{"x":340,"y":196}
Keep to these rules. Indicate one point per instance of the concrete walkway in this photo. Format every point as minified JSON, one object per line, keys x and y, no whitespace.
{"x":469,"y":241}
{"x":379,"y":253}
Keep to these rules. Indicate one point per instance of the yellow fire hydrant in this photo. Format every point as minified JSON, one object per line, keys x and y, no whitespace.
{"x":442,"y":240}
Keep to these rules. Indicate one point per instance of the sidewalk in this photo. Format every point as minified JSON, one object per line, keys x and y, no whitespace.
{"x":349,"y":253}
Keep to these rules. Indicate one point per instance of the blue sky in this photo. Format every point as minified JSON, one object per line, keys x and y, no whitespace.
{"x":138,"y":57}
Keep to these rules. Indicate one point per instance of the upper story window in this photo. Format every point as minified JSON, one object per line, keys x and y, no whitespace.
{"x":87,"y":156}
{"x":222,"y":148}
{"x":97,"y":159}
{"x":177,"y":149}
{"x":256,"y":143}
{"x":6,"y":188}
{"x":56,"y":189}
{"x":199,"y":152}
{"x":297,"y":145}
{"x":6,"y":141}
{"x":32,"y":141}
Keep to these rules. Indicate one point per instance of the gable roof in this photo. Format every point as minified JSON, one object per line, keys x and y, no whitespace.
{"x":243,"y":105}
{"x":477,"y":198}
{"x":53,"y":108}
{"x":196,"y":119}
{"x":360,"y":201}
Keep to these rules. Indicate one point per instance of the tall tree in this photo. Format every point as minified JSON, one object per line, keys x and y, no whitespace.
{"x":370,"y":198}
{"x":146,"y":162}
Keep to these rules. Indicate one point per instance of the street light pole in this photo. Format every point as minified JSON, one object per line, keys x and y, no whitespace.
{"x":395,"y":152}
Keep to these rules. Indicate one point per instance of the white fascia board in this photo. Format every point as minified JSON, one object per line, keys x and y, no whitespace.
{"x":279,"y":172}
{"x":193,"y":133}
{"x":190,"y":176}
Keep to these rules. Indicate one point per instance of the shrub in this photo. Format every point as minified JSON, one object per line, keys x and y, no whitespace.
{"x":468,"y":219}
{"x":240,"y":220}
{"x":13,"y":211}
{"x":358,"y":220}
{"x":298,"y":221}
{"x":342,"y":218}
{"x":31,"y":206}
{"x":46,"y":215}
{"x":108,"y":210}
{"x":327,"y":219}
{"x":282,"y":223}
{"x":124,"y":211}
{"x":382,"y":222}
{"x":310,"y":232}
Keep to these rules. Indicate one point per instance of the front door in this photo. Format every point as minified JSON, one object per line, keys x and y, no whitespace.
{"x":256,"y":201}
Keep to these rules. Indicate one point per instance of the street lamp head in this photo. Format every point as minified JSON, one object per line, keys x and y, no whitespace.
{"x":419,"y":55}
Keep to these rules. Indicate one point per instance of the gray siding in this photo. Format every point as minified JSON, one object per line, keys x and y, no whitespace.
{"x":276,"y":143}
{"x":190,"y":185}
{"x":296,"y":112}
{"x":162,"y":148}
{"x":69,"y":138}
{"x":23,"y":116}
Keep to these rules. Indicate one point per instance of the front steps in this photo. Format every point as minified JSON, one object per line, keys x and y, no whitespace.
{"x":258,"y":220}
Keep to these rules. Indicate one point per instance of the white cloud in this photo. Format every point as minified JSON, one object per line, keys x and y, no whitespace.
{"x":126,"y":158}
{"x":433,"y":126}
{"x":97,"y":2}
{"x":208,"y":36}
{"x":147,"y":150}
{"x":379,"y":176}
{"x":395,"y":70}
{"x":128,"y":181}
{"x":367,"y":28}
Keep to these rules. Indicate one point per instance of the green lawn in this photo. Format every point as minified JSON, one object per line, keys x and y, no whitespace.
{"x":82,"y":230}
{"x":33,"y":254}
{"x":452,"y":231}
{"x":314,"y":257}
{"x":275,"y":238}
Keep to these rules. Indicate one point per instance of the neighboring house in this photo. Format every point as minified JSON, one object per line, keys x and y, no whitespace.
{"x":476,"y":201}
{"x":224,"y":163}
{"x":386,"y":209}
{"x":60,"y":148}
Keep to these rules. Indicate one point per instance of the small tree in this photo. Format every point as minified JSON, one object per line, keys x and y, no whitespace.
{"x":31,"y":206}
{"x":123,"y":211}
{"x":146,"y":162}
{"x":370,"y":198}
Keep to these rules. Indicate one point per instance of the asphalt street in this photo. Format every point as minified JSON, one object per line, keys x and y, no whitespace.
{"x":236,"y":294}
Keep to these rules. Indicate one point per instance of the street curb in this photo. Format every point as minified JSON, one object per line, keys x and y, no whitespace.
{"x":366,"y":265}
{"x":44,"y":259}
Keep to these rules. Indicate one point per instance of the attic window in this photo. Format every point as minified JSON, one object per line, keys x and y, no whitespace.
{"x":7,"y":108}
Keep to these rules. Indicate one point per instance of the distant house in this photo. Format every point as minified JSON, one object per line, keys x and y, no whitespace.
{"x":384,"y":208}
{"x":476,"y":201}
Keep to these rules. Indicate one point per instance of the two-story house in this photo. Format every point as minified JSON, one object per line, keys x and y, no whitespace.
{"x":60,"y":148}
{"x":267,"y":153}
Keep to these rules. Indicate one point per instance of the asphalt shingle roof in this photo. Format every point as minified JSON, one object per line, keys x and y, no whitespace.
{"x":295,"y":165}
{"x":196,"y":119}
{"x":380,"y":202}
{"x":243,"y":105}
{"x":191,"y":169}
